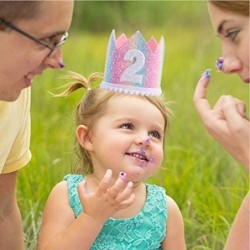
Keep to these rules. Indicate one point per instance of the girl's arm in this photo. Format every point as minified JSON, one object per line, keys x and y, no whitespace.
{"x":175,"y":238}
{"x":60,"y":229}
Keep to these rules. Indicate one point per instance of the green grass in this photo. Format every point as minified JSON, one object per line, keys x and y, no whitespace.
{"x":204,"y":180}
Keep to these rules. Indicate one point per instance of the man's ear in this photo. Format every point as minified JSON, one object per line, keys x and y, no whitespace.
{"x":84,"y":137}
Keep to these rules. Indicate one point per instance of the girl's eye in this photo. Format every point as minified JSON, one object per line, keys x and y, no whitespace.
{"x":155,"y":134}
{"x":127,"y":126}
{"x":232,"y":34}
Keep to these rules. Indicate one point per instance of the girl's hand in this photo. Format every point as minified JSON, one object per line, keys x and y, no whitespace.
{"x":107,"y":199}
{"x":226,"y":122}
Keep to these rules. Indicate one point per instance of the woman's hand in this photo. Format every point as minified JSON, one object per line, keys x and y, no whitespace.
{"x":226,"y":121}
{"x":108,"y":199}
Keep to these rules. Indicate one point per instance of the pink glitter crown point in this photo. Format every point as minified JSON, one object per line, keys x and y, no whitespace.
{"x":152,"y":43}
{"x":133,"y":65}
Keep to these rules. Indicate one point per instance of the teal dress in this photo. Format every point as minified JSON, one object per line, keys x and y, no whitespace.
{"x":145,"y":231}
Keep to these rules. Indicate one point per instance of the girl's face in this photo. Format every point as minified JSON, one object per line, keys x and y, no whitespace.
{"x":21,"y":58}
{"x":233,"y":31}
{"x":128,"y":138}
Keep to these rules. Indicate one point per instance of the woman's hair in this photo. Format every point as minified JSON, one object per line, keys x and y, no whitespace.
{"x":94,"y":105}
{"x":13,"y":11}
{"x":239,"y":7}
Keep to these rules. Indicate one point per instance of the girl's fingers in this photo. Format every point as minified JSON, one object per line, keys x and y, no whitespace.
{"x":119,"y":194}
{"x":126,"y":193}
{"x":128,"y":202}
{"x":119,"y":185}
{"x":105,"y":183}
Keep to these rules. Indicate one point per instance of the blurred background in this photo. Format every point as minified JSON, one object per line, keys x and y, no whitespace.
{"x":207,"y":184}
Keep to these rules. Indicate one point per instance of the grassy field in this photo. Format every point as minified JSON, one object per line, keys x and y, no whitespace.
{"x":207,"y":184}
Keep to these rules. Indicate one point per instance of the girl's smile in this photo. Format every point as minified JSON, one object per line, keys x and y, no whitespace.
{"x":138,"y":158}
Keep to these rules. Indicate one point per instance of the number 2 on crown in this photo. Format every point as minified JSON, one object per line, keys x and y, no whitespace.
{"x":130,"y":74}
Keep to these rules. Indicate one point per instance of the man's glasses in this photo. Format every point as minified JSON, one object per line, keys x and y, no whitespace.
{"x":51,"y":43}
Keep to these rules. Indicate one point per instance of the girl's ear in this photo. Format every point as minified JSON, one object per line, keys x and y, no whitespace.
{"x":84,"y":138}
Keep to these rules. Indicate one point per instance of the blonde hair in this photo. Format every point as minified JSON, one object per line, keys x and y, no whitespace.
{"x":239,"y":7}
{"x":93,"y":106}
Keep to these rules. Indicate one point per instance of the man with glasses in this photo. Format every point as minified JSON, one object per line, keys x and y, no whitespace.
{"x":31,"y":33}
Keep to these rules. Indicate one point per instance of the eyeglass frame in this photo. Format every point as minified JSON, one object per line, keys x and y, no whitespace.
{"x":10,"y":25}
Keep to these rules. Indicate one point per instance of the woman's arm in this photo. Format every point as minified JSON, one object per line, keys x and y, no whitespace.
{"x":238,"y":237}
{"x":11,"y":233}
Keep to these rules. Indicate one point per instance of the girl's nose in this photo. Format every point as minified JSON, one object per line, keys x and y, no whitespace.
{"x":54,"y":60}
{"x":143,"y":140}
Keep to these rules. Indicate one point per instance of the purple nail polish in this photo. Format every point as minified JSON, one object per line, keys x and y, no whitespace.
{"x":207,"y":73}
{"x":147,"y":141}
{"x":142,"y":150}
{"x":152,"y":159}
{"x":61,"y":64}
{"x":123,"y":176}
{"x":219,"y":63}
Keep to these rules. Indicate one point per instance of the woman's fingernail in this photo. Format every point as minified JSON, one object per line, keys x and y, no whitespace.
{"x":123,"y":176}
{"x":207,"y":73}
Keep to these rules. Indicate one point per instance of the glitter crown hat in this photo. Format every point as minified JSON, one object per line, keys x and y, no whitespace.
{"x":133,"y":65}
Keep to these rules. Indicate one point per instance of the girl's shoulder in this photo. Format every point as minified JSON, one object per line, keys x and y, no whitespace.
{"x":69,"y":182}
{"x":172,"y":205}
